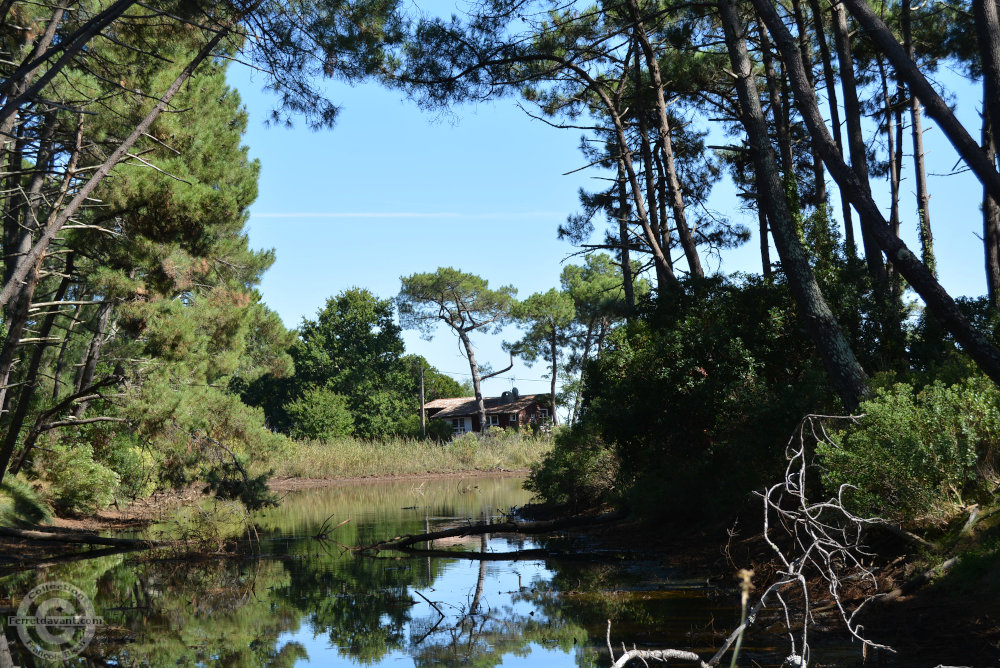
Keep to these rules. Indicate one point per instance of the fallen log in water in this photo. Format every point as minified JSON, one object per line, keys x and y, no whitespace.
{"x":402,"y":542}
{"x":57,"y":535}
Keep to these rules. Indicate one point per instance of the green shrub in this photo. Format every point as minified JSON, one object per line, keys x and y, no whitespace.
{"x":20,"y":504}
{"x":120,"y":451}
{"x":439,"y":430}
{"x":321,"y":415}
{"x":698,"y":392}
{"x":920,"y":456}
{"x":178,"y":429}
{"x":76,"y":483}
{"x":463,"y":448}
{"x":208,"y":525}
{"x":230,"y":481}
{"x":580,"y":471}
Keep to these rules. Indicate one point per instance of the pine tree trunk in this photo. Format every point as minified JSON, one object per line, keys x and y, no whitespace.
{"x":765,"y":247}
{"x":775,"y":105}
{"x":938,"y":301}
{"x":93,"y":356}
{"x":819,"y":175}
{"x":675,"y":196}
{"x":664,"y":273}
{"x":666,"y":239}
{"x":554,"y":351}
{"x":63,"y":351}
{"x":987,"y":33}
{"x":850,"y":246}
{"x":890,"y":138}
{"x":587,"y":342}
{"x":476,"y":382}
{"x":920,"y":169}
{"x":991,"y":221}
{"x":856,"y":142}
{"x":24,"y":397}
{"x":846,"y":375}
{"x":623,"y":237}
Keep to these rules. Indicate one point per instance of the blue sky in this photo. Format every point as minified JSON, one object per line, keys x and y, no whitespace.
{"x":394,"y":190}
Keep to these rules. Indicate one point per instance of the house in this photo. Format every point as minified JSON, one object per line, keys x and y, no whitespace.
{"x":510,"y":409}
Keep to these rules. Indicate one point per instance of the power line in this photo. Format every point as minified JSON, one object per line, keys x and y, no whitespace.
{"x":466,"y":373}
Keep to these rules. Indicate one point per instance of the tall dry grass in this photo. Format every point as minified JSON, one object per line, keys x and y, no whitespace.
{"x":350,"y":457}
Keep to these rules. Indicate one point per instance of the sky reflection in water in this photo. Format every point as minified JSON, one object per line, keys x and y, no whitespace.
{"x":307,"y":602}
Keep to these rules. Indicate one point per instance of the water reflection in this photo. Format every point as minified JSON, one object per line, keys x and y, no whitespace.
{"x":302,"y":599}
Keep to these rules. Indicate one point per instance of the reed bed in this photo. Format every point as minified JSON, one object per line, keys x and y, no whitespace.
{"x":351,"y":458}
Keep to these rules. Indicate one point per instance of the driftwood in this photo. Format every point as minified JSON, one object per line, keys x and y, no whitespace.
{"x":514,"y":555}
{"x":404,"y":542}
{"x":826,"y":545}
{"x":54,"y":535}
{"x":919,"y":581}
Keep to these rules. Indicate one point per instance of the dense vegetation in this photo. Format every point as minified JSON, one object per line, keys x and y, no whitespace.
{"x":350,"y":376}
{"x":137,"y":354}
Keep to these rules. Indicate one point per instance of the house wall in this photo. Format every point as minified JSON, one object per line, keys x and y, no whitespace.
{"x":526,"y":416}
{"x":506,"y":419}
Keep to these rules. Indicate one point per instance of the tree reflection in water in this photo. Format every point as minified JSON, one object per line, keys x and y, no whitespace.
{"x":305,"y":600}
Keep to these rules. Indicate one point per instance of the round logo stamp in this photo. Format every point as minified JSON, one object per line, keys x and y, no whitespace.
{"x":55,"y":621}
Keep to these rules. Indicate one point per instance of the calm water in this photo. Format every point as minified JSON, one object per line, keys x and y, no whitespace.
{"x":301,"y":601}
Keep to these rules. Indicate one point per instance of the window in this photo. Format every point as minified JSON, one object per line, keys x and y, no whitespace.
{"x":512,"y":419}
{"x":493,"y":420}
{"x":458,"y":425}
{"x":543,"y":413}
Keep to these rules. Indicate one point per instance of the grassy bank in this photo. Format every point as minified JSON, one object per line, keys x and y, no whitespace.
{"x":350,"y":457}
{"x":21,"y":504}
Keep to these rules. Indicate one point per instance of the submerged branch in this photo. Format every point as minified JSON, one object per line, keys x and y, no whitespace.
{"x":84,"y":537}
{"x":486,"y":527}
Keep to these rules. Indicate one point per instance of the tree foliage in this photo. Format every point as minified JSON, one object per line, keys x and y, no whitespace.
{"x":463,"y":302}
{"x":350,"y":375}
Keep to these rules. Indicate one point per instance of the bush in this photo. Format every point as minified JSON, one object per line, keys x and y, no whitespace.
{"x":119,"y":450}
{"x":463,"y":448}
{"x":700,"y":390}
{"x":177,"y":428}
{"x":230,"y":481}
{"x":321,"y":415}
{"x":21,"y":505}
{"x":207,"y":525}
{"x":920,"y":456}
{"x":580,"y":471}
{"x":439,"y":430}
{"x":77,"y":484}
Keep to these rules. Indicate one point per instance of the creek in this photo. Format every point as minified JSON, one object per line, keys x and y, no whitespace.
{"x":295,"y":600}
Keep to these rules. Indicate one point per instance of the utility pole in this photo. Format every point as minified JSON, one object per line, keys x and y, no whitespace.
{"x":423,"y":415}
